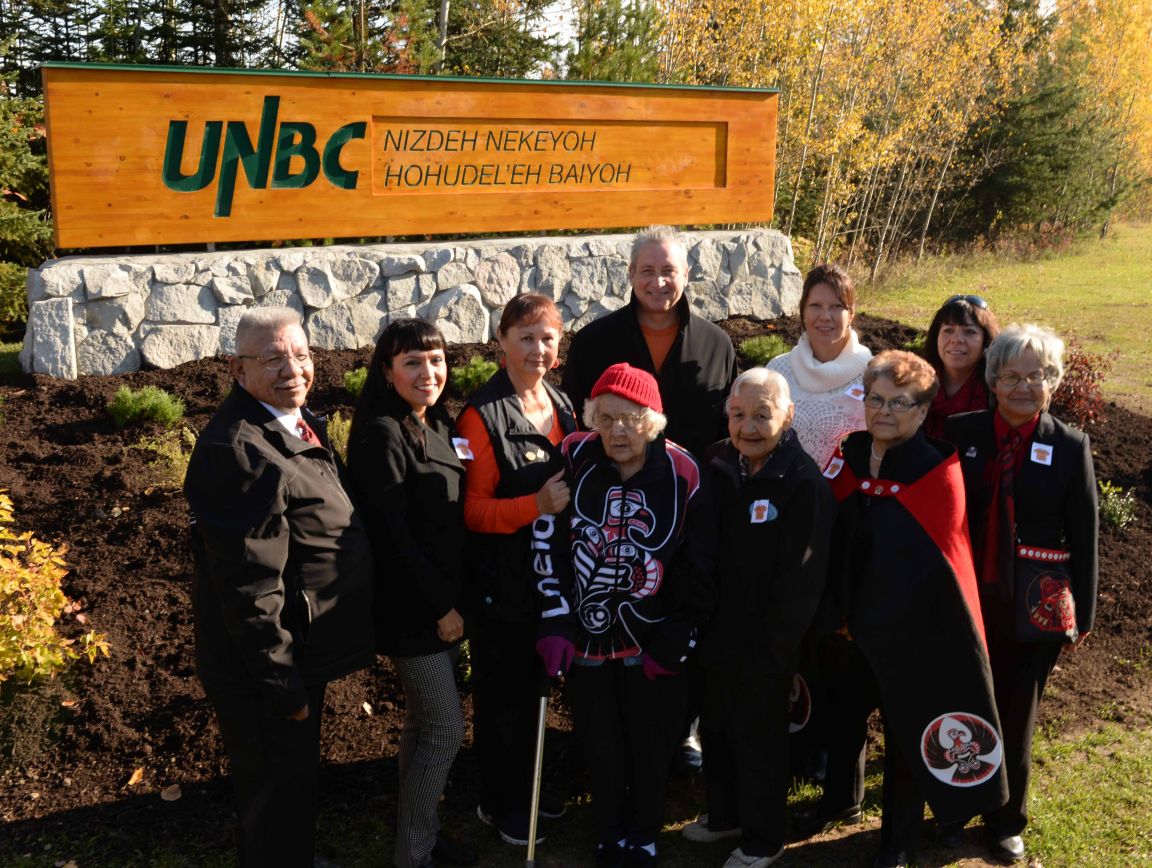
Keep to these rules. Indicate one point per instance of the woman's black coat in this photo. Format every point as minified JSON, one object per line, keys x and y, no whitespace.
{"x":408,"y":484}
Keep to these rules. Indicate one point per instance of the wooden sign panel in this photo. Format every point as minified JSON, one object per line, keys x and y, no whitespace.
{"x":163,"y":156}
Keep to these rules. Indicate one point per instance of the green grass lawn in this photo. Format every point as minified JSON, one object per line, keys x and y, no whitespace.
{"x":1101,"y":292}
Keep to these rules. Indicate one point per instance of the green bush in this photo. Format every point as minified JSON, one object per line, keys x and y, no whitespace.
{"x":466,"y":379}
{"x":13,"y":298}
{"x":149,"y":404}
{"x":1117,"y":506}
{"x":338,"y":431}
{"x":354,"y":381}
{"x":917,"y":344}
{"x":31,"y":602}
{"x":172,"y":449}
{"x":763,"y":349}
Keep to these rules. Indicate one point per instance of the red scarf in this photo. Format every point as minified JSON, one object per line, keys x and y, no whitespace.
{"x":997,"y":556}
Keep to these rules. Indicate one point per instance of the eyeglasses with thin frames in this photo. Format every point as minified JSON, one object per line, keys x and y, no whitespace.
{"x":1036,"y":378}
{"x":630,"y":421}
{"x":280,"y":360}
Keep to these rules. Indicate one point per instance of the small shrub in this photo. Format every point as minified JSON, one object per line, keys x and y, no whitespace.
{"x":30,"y":604}
{"x":13,"y":296}
{"x":1079,"y":399}
{"x":354,"y":381}
{"x":1117,"y":506}
{"x":763,"y":349}
{"x":466,"y":379}
{"x":916,"y":345}
{"x":338,"y":430}
{"x":149,"y":404}
{"x":172,"y":449}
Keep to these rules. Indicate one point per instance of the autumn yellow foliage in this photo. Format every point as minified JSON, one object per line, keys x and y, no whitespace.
{"x":31,"y":603}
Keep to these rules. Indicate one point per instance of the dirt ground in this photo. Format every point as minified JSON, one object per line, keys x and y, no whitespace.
{"x":69,"y":748}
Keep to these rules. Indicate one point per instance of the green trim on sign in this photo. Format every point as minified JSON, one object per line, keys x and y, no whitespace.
{"x":204,"y":70}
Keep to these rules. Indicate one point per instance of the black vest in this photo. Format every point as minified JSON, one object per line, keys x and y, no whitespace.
{"x":502,"y":585}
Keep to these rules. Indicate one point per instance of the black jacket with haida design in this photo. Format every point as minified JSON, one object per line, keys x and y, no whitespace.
{"x":626,"y":568}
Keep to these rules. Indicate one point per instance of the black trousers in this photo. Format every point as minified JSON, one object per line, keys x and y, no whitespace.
{"x":275,"y":770}
{"x":628,"y":728}
{"x":903,"y":804}
{"x":506,"y":684}
{"x":852,"y":694}
{"x":1019,"y":673}
{"x":744,"y":730}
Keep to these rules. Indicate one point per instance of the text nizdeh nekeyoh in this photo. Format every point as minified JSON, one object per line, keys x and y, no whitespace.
{"x":478,"y":173}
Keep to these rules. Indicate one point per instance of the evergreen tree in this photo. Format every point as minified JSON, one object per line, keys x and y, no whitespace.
{"x":616,"y":40}
{"x":496,"y":38}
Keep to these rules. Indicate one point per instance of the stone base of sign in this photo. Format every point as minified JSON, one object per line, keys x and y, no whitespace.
{"x":110,"y":315}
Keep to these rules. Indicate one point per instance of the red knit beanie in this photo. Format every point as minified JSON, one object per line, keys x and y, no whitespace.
{"x":630,"y":383}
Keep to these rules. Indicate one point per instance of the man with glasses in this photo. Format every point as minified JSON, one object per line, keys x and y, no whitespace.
{"x":282,"y":589}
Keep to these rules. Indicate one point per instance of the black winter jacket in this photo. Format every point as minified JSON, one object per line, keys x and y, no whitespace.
{"x":282,"y":592}
{"x":407,"y":482}
{"x":775,"y":531}
{"x":694,"y":379}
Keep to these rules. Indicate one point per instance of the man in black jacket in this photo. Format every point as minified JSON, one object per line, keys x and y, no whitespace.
{"x":282,"y":590}
{"x":691,"y":358}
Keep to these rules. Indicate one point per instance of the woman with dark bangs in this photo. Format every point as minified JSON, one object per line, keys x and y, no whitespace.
{"x":957,"y":338}
{"x":404,"y":460}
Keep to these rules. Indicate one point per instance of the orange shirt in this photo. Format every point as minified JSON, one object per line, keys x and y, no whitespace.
{"x":660,"y":343}
{"x":483,"y":511}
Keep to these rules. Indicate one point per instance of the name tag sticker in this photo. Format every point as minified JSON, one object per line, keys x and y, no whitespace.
{"x":1042,"y":454}
{"x":834,"y":467}
{"x":463,"y":450}
{"x":763,"y":511}
{"x":855,"y":392}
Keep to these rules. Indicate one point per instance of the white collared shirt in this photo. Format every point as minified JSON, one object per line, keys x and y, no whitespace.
{"x":289,"y":419}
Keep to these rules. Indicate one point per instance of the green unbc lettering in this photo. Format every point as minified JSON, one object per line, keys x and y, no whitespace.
{"x":271,"y":155}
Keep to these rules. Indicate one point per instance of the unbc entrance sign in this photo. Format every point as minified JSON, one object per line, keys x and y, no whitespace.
{"x":151,"y":156}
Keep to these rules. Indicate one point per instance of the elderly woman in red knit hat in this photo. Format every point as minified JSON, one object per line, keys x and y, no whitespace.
{"x":624,"y":574}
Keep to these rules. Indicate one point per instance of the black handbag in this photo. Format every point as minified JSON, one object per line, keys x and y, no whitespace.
{"x":1045,"y":608}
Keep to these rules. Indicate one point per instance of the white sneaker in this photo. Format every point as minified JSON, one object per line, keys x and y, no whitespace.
{"x":701,"y":834}
{"x":740,"y":859}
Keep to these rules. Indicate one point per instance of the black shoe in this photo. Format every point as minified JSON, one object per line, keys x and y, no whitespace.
{"x":1008,"y":849}
{"x":453,"y":851}
{"x":638,"y":857}
{"x":512,"y":826}
{"x":952,"y":835}
{"x":899,"y":859}
{"x":551,"y":806}
{"x":610,"y":855}
{"x":819,"y":821}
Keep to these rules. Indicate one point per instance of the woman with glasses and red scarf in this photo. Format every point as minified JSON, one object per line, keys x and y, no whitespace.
{"x":1034,"y":525}
{"x":959,"y":334}
{"x":902,"y":586}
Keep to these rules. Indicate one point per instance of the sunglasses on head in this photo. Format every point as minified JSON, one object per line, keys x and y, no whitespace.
{"x":974,"y":300}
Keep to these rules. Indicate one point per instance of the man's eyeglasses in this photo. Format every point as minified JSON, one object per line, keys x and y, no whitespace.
{"x":896,"y":405}
{"x":974,"y":300}
{"x":280,"y":360}
{"x":1013,"y":380}
{"x":630,"y":421}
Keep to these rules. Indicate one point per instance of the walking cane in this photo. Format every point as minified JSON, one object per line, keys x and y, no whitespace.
{"x":538,"y":769}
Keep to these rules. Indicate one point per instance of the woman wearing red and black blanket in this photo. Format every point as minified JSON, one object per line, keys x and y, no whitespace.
{"x":905,"y":591}
{"x":1032,"y":512}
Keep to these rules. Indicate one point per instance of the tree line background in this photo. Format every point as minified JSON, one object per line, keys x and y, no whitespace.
{"x":904,"y":127}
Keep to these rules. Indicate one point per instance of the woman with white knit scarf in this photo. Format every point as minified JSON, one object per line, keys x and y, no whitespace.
{"x":825,"y":369}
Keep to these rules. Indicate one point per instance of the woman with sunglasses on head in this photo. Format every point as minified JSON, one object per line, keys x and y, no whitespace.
{"x":625,"y":578}
{"x":1033,"y":518}
{"x":959,"y":334}
{"x":407,"y":481}
{"x":902,"y":586}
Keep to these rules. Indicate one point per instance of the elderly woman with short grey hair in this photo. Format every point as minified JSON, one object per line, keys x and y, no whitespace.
{"x":625,"y":579}
{"x":775,"y":513}
{"x":1032,"y":515}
